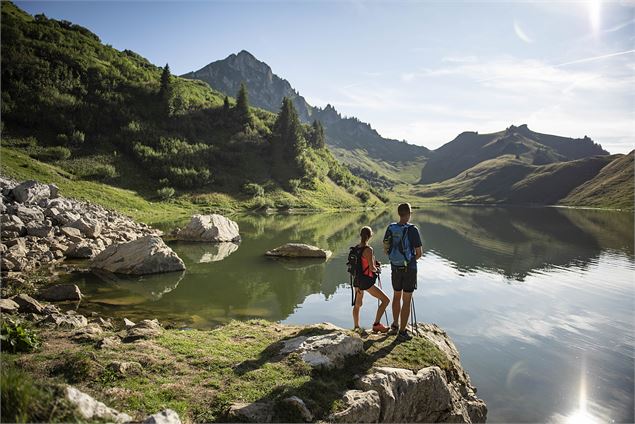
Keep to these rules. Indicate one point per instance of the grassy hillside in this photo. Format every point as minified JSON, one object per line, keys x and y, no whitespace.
{"x":612,"y":187}
{"x":512,"y":181}
{"x":113,"y":117}
{"x":529,"y":147}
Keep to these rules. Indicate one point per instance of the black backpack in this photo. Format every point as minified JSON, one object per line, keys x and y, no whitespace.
{"x":354,"y":263}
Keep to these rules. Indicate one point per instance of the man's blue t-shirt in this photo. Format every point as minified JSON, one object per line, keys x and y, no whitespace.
{"x":415,"y":241}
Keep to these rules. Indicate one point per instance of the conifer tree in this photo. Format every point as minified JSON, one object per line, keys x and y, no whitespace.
{"x":226,"y":104}
{"x":287,"y":141}
{"x":242,"y":105}
{"x":316,"y":139}
{"x":166,"y":91}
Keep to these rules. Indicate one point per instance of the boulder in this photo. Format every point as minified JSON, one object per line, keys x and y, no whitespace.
{"x":81,"y":250}
{"x":12,"y":223}
{"x":210,"y":228}
{"x":90,"y":228}
{"x":328,"y":350}
{"x":39,"y":230}
{"x":91,"y":409}
{"x":8,"y":306}
{"x":299,"y":250}
{"x":144,"y":330}
{"x":146,"y":255}
{"x":31,"y":192}
{"x":108,"y":343}
{"x":128,"y":323}
{"x":54,"y":190}
{"x":296,"y":406}
{"x":87,"y":333}
{"x":27,"y":304}
{"x":66,"y":320}
{"x":60,"y":292}
{"x":71,"y":232}
{"x":167,"y":416}
{"x":257,"y":412}
{"x":123,"y":369}
{"x":358,"y":406}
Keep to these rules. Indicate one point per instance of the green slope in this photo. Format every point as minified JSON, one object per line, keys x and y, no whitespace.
{"x":612,"y":187}
{"x":108,"y":115}
{"x":511,"y":181}
{"x":527,"y":146}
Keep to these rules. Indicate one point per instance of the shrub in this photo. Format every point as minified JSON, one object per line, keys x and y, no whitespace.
{"x":77,"y":137}
{"x":165,"y":193}
{"x":363,"y":196}
{"x":90,"y":168}
{"x":294,"y":185}
{"x":51,"y":154}
{"x":16,"y":338}
{"x":253,"y":189}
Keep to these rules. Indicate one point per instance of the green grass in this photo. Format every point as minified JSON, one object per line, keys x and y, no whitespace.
{"x":200,"y":373}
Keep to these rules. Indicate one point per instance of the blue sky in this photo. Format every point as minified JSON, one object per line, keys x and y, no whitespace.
{"x":415,"y":70}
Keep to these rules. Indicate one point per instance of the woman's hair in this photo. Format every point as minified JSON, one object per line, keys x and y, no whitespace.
{"x":366,"y":233}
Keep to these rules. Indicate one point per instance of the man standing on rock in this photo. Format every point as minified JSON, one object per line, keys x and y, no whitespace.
{"x":402,"y":244}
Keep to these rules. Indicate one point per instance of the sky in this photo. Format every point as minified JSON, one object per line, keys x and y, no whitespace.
{"x":421,"y":71}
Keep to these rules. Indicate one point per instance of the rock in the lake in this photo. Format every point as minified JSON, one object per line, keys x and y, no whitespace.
{"x":299,"y":250}
{"x":91,"y":409}
{"x":60,"y":292}
{"x":167,"y":416}
{"x":210,"y":228}
{"x":328,"y":350}
{"x":8,"y":306}
{"x":146,"y":255}
{"x":358,"y":406}
{"x":27,"y":304}
{"x":31,"y":192}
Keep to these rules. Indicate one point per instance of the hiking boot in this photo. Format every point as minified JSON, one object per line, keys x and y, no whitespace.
{"x":379,"y":328}
{"x":404,"y":336}
{"x":394,"y":329}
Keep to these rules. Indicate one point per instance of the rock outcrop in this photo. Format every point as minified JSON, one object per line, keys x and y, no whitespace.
{"x":210,"y":228}
{"x":91,"y":409}
{"x":147,"y":255}
{"x":299,"y":250}
{"x":39,"y":227}
{"x":328,"y":350}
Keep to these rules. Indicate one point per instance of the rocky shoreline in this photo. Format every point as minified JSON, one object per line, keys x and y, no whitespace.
{"x":340,"y":376}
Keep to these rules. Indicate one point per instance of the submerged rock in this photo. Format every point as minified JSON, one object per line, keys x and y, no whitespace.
{"x":146,"y":255}
{"x":210,"y":228}
{"x":299,"y":250}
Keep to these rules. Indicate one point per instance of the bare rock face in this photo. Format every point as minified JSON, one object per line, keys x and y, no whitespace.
{"x":146,"y":255}
{"x":210,"y":228}
{"x":93,"y":410}
{"x":299,"y":250}
{"x":359,"y":407}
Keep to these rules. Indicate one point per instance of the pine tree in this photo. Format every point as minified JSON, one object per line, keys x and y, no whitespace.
{"x":226,"y":104}
{"x":316,"y":139}
{"x":242,"y":105}
{"x":166,"y":91}
{"x":287,"y":141}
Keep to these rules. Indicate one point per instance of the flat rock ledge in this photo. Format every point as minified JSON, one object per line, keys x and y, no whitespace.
{"x":299,"y":250}
{"x":212,"y":228}
{"x":382,"y":394}
{"x":146,"y":255}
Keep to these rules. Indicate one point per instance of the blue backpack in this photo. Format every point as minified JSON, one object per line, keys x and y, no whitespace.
{"x":397,"y":244}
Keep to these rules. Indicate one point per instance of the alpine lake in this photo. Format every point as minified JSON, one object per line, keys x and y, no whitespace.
{"x":539,"y":301}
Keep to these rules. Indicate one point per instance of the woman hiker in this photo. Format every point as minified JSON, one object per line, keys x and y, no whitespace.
{"x":365,"y":282}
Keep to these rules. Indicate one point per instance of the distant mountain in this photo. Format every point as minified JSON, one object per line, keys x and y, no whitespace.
{"x":527,"y":146}
{"x":605,"y":181}
{"x":352,"y":141}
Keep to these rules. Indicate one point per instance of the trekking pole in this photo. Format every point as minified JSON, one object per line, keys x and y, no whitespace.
{"x":385,"y":314}
{"x":414,"y":314}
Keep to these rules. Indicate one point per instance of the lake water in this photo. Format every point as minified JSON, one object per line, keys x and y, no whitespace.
{"x":539,"y":301}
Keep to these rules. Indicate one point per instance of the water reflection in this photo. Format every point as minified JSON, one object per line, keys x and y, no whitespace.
{"x":207,"y":252}
{"x":528,"y":295}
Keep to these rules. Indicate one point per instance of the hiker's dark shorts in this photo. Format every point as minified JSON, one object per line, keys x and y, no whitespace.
{"x":404,"y":279}
{"x":364,"y":282}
